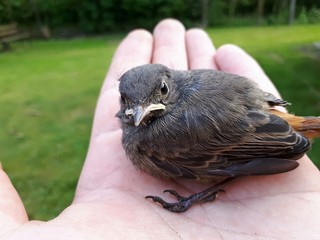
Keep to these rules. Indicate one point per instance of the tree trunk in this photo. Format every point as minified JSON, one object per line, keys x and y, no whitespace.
{"x":232,"y":8}
{"x":260,"y":9}
{"x":292,"y":10}
{"x":205,"y":9}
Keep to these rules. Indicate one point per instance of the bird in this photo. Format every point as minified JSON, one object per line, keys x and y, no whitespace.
{"x":205,"y":125}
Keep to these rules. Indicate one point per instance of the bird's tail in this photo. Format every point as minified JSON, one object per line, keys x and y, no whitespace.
{"x":308,"y":126}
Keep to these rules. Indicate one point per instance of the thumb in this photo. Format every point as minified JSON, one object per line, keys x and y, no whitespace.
{"x":12,"y":211}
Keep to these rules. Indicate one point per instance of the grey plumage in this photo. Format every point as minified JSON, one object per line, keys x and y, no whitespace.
{"x":214,"y":124}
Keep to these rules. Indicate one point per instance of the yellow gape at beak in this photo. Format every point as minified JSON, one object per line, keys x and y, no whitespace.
{"x":139,"y":112}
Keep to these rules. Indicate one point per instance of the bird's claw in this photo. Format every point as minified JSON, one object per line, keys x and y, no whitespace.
{"x":184,"y":203}
{"x":174,"y":193}
{"x":181,"y":206}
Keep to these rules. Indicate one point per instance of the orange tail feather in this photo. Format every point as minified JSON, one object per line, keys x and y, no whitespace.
{"x":308,"y":126}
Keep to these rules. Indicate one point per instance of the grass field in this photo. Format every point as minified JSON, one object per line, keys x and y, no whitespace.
{"x":48,"y":91}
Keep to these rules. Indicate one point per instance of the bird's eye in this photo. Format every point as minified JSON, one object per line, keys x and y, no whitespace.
{"x":164,"y":88}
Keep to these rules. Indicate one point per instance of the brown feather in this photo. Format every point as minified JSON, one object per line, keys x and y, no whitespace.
{"x":308,"y":126}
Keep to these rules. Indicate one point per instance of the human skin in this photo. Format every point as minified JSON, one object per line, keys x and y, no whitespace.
{"x":109,"y":201}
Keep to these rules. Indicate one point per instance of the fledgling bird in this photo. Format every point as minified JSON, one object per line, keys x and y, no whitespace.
{"x":206,"y":124}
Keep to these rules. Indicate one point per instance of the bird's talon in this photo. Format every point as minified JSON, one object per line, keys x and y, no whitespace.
{"x":184,"y":203}
{"x":174,"y":193}
{"x":180,"y":206}
{"x":157,"y":199}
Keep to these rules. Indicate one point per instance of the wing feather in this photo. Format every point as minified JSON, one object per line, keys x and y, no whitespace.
{"x":272,"y":147}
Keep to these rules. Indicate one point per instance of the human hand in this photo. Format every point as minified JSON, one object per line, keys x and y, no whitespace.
{"x":109,"y":201}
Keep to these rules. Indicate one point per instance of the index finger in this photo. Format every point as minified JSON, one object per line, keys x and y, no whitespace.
{"x":169,"y":44}
{"x":134,"y":50}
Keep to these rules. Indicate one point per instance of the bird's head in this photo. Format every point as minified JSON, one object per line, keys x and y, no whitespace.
{"x":146,"y":93}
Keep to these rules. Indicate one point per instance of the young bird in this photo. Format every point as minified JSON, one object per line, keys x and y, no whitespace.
{"x":206,"y":124}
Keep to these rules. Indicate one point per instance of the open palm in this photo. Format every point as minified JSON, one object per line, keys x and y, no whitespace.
{"x":109,"y":201}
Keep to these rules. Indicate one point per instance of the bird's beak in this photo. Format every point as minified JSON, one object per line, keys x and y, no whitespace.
{"x":140,"y":112}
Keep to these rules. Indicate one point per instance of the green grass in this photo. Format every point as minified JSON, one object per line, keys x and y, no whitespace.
{"x":48,"y":94}
{"x":48,"y":91}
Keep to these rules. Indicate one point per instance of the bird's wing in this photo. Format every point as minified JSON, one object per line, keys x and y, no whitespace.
{"x":271,"y":148}
{"x":273,"y":100}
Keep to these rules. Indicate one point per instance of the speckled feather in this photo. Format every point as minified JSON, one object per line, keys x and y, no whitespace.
{"x":215,"y":124}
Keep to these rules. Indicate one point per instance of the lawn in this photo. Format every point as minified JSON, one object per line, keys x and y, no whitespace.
{"x":49,"y":90}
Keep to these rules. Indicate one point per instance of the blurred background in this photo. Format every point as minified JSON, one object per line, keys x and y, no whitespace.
{"x":54,"y":55}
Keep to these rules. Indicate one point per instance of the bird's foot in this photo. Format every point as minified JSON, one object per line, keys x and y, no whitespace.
{"x":184,"y":203}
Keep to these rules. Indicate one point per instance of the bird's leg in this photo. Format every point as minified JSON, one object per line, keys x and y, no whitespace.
{"x":184,"y":203}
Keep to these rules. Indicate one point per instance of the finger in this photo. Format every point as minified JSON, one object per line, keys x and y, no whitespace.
{"x":169,"y":44}
{"x":134,"y":50}
{"x":200,"y":50}
{"x":232,"y":59}
{"x":12,"y":212}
